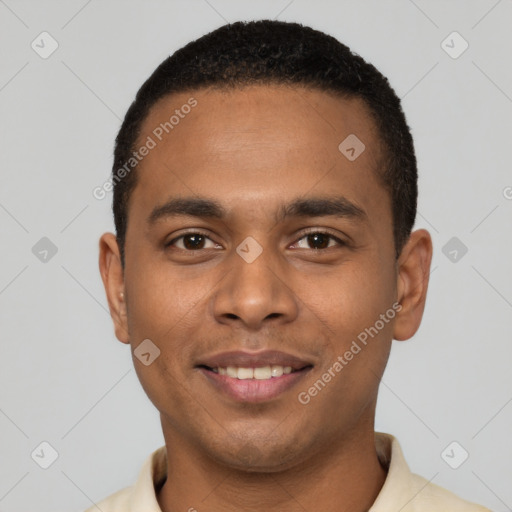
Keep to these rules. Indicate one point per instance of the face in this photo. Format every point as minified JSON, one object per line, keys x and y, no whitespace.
{"x":260,"y":262}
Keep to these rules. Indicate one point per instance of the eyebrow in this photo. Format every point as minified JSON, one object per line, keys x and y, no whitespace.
{"x":337,"y":206}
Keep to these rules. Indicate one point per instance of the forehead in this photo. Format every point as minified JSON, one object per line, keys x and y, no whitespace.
{"x":258,"y":141}
{"x":256,"y":113}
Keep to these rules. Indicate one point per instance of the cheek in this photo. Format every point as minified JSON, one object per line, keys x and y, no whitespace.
{"x":163,"y":310}
{"x":359,"y":333}
{"x":350,"y":305}
{"x":159,"y":300}
{"x":351,"y":298}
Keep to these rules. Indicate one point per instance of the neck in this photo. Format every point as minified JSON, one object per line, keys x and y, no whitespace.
{"x":346,"y":476}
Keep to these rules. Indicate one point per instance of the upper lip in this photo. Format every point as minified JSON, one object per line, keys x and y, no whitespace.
{"x":254,"y":360}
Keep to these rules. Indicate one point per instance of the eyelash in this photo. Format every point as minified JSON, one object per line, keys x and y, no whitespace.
{"x":340,"y":242}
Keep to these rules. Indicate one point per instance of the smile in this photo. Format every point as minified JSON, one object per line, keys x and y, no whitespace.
{"x":253,"y":385}
{"x":253,"y":376}
{"x":261,"y":373}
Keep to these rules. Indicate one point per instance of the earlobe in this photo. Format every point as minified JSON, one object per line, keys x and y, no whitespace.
{"x":412,"y":283}
{"x":112,"y":275}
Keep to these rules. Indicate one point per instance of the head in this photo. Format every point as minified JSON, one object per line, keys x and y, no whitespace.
{"x":271,"y":209}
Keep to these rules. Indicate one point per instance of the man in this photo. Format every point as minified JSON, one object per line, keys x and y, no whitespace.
{"x":265,"y":191}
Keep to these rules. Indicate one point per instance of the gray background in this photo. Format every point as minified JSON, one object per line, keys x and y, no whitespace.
{"x":66,"y":380}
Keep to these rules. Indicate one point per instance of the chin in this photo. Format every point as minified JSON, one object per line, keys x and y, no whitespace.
{"x":259,"y":456}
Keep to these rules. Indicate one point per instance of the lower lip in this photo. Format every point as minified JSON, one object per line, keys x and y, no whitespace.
{"x":254,"y":390}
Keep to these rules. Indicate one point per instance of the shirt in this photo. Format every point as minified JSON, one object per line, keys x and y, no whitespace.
{"x":402,"y":490}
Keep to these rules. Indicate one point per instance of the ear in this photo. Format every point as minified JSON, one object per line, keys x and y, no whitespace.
{"x":413,"y":275}
{"x":112,"y":275}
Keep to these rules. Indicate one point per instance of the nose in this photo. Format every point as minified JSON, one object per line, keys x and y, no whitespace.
{"x":255,"y":293}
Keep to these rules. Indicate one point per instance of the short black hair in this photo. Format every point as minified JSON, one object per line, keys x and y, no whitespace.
{"x":276,"y":52}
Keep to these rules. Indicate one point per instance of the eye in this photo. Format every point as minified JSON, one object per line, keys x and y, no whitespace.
{"x":319,"y":240}
{"x":196,"y":241}
{"x":192,"y":242}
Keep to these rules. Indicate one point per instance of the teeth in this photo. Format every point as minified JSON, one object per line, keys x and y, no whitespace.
{"x":261,"y":373}
{"x":245,"y":373}
{"x":277,"y":371}
{"x":231,"y":371}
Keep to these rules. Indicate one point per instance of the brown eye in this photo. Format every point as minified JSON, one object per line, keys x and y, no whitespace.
{"x":191,"y":242}
{"x":318,"y":240}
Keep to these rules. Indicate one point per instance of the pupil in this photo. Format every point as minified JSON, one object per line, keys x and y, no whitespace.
{"x":193,"y":241}
{"x":318,"y":240}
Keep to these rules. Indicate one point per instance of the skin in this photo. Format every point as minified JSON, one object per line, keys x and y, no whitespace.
{"x":253,"y":150}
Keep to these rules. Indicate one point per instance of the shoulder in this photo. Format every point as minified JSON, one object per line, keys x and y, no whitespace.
{"x":141,"y":496}
{"x":433,"y":498}
{"x":409,"y":492}
{"x":117,"y":502}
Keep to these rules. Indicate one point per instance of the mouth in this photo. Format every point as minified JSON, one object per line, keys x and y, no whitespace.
{"x":253,"y":377}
